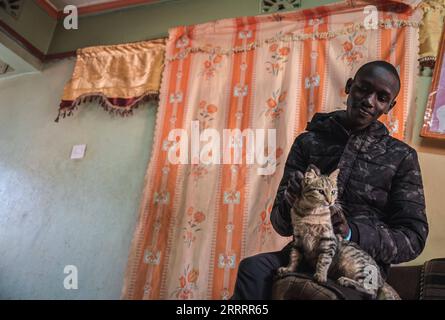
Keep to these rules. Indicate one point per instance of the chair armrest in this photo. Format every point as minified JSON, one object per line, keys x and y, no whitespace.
{"x":406,"y":281}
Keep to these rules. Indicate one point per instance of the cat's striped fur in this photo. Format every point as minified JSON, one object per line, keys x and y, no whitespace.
{"x":328,"y":254}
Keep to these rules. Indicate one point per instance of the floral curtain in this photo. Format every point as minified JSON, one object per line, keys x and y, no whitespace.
{"x":118,"y":77}
{"x":198,"y":220}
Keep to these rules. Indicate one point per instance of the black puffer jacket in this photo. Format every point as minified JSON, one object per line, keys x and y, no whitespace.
{"x":379,"y":186}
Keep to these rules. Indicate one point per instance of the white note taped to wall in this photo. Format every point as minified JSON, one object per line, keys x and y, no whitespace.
{"x":78,"y":151}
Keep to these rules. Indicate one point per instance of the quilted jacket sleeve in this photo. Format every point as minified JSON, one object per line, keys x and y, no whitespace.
{"x":280,"y":215}
{"x":403,"y":235}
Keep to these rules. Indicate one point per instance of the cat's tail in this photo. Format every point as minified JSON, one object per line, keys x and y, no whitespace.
{"x":386,"y":292}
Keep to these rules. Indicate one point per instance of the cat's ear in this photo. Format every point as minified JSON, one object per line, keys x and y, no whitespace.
{"x":311,"y":173}
{"x":309,"y":176}
{"x":314,"y":168}
{"x":334,"y":175}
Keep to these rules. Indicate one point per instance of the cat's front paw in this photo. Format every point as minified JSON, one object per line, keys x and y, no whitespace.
{"x":282,"y":271}
{"x":340,"y":238}
{"x":320,"y":278}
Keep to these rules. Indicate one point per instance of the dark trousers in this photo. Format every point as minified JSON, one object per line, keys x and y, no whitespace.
{"x":255,"y":275}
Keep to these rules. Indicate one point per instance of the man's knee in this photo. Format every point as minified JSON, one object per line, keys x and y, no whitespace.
{"x":248,"y":264}
{"x":255,"y":274}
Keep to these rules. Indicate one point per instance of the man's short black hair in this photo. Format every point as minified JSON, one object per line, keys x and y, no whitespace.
{"x":383,"y":64}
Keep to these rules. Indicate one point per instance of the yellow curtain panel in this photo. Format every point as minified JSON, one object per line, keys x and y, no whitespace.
{"x":198,"y":220}
{"x":431,"y":30}
{"x":118,"y":77}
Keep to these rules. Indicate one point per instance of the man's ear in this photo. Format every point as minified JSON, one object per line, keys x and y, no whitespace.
{"x":348,"y":85}
{"x":393,"y":103}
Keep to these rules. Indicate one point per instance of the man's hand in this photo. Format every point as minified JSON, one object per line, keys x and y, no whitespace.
{"x":293,"y":187}
{"x":339,"y":223}
{"x":294,"y":184}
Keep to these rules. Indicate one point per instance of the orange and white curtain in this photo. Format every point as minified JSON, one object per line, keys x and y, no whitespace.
{"x":197,"y":221}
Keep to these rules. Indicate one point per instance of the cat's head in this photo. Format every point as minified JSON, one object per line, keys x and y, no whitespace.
{"x":319,"y":190}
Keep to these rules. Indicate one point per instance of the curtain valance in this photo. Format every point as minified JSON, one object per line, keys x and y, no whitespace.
{"x":119,"y":77}
{"x":431,"y":30}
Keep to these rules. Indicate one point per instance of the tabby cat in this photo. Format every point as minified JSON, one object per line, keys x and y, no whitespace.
{"x":330,"y":255}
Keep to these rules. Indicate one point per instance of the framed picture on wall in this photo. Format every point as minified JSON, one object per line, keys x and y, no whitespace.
{"x":434,"y":119}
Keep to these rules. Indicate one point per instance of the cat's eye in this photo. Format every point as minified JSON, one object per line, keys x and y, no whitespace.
{"x":333,"y":192}
{"x":321,"y":191}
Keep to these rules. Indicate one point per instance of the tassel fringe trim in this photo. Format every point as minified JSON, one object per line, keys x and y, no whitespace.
{"x":67,"y":108}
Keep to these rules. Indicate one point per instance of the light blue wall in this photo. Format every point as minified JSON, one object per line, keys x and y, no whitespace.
{"x":55,"y":211}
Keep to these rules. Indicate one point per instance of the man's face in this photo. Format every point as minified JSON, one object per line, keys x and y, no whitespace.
{"x":371,"y":94}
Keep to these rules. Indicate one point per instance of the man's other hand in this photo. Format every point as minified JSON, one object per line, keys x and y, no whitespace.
{"x":339,"y":223}
{"x":293,"y":187}
{"x":294,"y":184}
